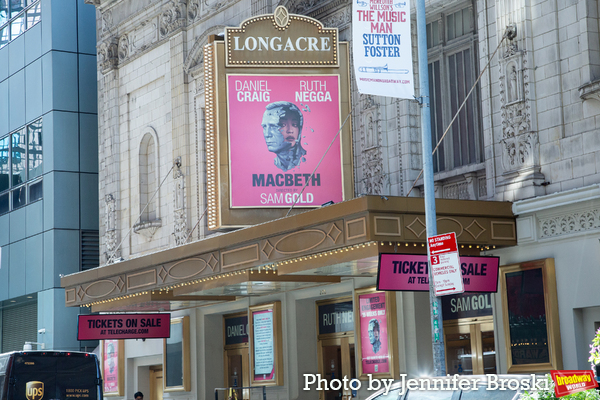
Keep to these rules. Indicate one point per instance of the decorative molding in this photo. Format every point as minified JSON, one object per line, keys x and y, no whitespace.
{"x":141,"y":279}
{"x":590,"y":91}
{"x":300,"y":241}
{"x":371,"y":157}
{"x":570,"y":223}
{"x":123,"y":48}
{"x":147,"y":228}
{"x":172,"y":18}
{"x":242,"y":255}
{"x":180,"y":230}
{"x":110,"y":225}
{"x":108,"y":56}
{"x":555,"y":200}
{"x":388,"y":226}
{"x":356,"y":228}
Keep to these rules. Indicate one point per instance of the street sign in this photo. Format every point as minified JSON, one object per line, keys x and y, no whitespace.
{"x":445,"y":264}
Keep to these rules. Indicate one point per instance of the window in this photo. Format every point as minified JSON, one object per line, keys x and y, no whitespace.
{"x":451,"y":42}
{"x":16,"y":16}
{"x":21,"y":167}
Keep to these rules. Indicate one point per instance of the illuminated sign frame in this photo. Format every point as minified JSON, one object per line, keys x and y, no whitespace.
{"x":221,"y":60}
{"x":265,"y":334}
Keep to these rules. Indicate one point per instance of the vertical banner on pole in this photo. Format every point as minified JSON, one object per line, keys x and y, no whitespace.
{"x":382,"y":47}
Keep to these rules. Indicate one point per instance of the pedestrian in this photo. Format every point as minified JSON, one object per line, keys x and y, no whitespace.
{"x":138,"y":396}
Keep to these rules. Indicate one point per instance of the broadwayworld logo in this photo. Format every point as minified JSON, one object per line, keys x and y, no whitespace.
{"x":568,"y":382}
{"x":34,"y":390}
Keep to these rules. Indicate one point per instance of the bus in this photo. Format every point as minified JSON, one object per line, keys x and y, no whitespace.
{"x":50,"y":375}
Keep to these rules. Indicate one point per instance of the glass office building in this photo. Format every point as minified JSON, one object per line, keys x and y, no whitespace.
{"x":48,"y":166}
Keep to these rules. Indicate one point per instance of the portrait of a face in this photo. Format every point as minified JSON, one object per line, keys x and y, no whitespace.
{"x":374,"y":335}
{"x":282,"y":129}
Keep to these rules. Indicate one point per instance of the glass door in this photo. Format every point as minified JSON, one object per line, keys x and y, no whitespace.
{"x":470,"y":346}
{"x":336,"y":360}
{"x":236,"y":372}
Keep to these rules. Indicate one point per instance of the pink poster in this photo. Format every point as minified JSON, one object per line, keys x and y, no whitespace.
{"x":373,"y":333}
{"x":111,"y":366}
{"x":280,"y":127}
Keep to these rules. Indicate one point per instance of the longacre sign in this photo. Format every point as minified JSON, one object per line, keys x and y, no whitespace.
{"x":124,"y":326}
{"x":280,"y":40}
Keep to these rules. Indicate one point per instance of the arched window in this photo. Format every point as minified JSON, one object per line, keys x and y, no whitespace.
{"x":148,"y":178}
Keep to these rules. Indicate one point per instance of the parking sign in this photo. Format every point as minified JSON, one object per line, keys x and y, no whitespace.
{"x":445,"y":264}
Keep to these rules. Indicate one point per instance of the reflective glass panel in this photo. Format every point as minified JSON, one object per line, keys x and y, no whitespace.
{"x":458,"y":354}
{"x":3,"y":12}
{"x":35,"y":191}
{"x":4,"y":164}
{"x":34,"y":149}
{"x":4,"y":35}
{"x":19,"y":169}
{"x":17,"y":26}
{"x":19,"y":197}
{"x":34,"y":15}
{"x":527,"y":317}
{"x":16,"y":6}
{"x":4,"y":207}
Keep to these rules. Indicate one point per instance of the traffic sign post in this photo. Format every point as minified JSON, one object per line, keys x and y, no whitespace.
{"x":444,"y":262}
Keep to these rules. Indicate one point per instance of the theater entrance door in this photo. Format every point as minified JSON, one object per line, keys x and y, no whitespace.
{"x":469,"y":334}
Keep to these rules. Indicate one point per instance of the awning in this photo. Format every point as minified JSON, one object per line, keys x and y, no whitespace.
{"x":316,"y":247}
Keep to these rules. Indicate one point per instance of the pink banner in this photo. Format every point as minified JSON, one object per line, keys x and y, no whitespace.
{"x":124,"y":326}
{"x":280,"y":127}
{"x":111,"y":366}
{"x":409,"y":272}
{"x":373,"y":333}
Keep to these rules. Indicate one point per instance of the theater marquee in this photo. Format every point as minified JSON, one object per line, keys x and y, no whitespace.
{"x":276,"y":137}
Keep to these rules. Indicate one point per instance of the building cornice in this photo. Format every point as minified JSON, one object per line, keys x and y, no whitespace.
{"x":556,"y":200}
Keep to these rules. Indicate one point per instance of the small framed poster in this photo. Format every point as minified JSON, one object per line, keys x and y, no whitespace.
{"x":266,"y":352}
{"x":112,"y":354}
{"x":176,"y":356}
{"x":376,"y":340}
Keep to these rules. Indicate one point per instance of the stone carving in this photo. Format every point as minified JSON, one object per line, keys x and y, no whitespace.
{"x":180,"y":230}
{"x":371,"y":158}
{"x":570,"y":223}
{"x":301,"y":7}
{"x":458,"y":190}
{"x":199,"y":88}
{"x":338,"y":20}
{"x":173,"y":18}
{"x":123,"y":48}
{"x":193,"y":10}
{"x":519,"y":141}
{"x":143,"y":36}
{"x":106,"y":23}
{"x":108,"y":55}
{"x":110,"y":234}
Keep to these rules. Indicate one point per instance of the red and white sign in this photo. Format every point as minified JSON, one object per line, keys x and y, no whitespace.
{"x":124,"y":326}
{"x":568,"y":382}
{"x":445,"y":264}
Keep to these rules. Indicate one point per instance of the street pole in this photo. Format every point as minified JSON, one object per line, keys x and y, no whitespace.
{"x":437,"y":329}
